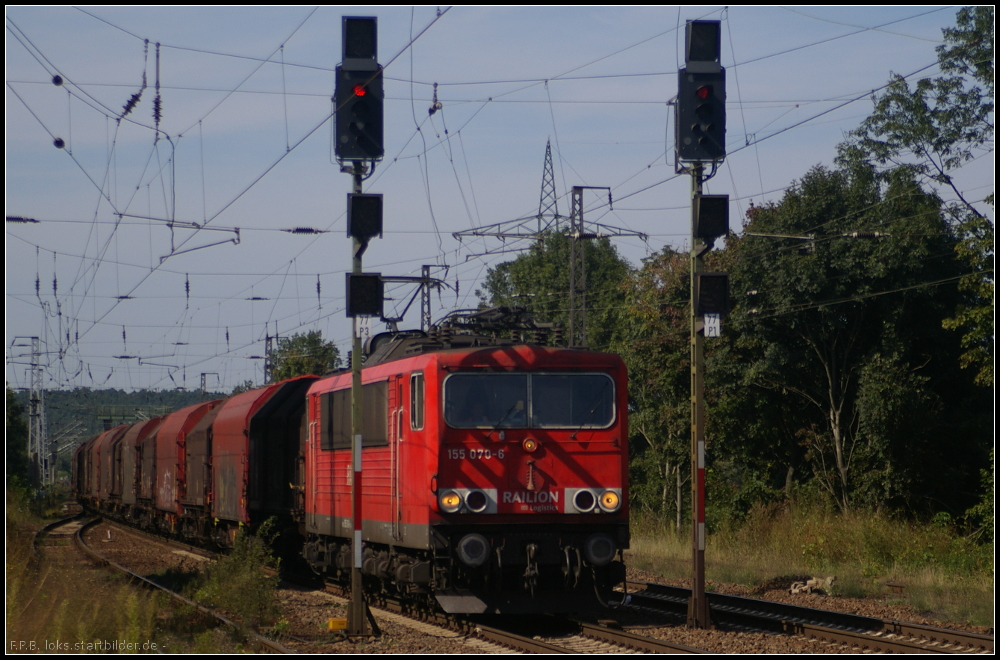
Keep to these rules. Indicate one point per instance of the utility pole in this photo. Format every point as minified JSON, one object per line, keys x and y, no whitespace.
{"x":535,"y":227}
{"x":271,"y":345}
{"x":548,"y":205}
{"x":700,"y":121}
{"x":364,"y":298}
{"x":578,"y":266}
{"x":698,"y":612}
{"x":358,"y":137}
{"x":204,"y":379}
{"x":45,"y":462}
{"x":39,"y":454}
{"x":357,"y":624}
{"x":427,"y":283}
{"x":548,"y":219}
{"x":425,"y":298}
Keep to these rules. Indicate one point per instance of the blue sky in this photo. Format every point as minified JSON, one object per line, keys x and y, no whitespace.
{"x":246,"y":101}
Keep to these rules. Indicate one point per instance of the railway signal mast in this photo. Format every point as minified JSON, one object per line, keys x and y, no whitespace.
{"x":700,"y":123}
{"x":358,"y":130}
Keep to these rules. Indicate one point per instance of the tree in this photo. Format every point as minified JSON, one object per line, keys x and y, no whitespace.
{"x":974,"y":315}
{"x":18,"y":465}
{"x":245,"y":386}
{"x":652,"y":336}
{"x":302,"y":354}
{"x":539,"y":281}
{"x":842,"y":336}
{"x":935,"y":128}
{"x":942,"y":122}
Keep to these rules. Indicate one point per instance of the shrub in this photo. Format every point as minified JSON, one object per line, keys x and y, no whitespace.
{"x":239,"y":583}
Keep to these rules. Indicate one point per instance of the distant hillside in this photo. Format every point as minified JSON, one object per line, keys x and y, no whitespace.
{"x":76,"y":415}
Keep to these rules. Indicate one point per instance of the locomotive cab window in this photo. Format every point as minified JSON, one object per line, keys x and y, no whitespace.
{"x":486,"y":401}
{"x":572,"y":400}
{"x":537,"y":400}
{"x":417,"y":401}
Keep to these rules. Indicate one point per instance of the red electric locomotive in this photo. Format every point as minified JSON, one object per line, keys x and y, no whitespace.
{"x":494,"y":473}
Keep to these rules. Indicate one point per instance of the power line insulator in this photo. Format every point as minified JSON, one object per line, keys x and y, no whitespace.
{"x":304,"y":230}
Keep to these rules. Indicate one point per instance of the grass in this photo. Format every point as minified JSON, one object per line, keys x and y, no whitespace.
{"x":69,"y":607}
{"x":85,"y":609}
{"x":945,"y":575}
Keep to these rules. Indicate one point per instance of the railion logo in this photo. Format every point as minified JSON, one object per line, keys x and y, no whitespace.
{"x":530,"y":497}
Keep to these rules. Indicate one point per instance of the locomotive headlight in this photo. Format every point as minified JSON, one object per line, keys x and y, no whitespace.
{"x":474,"y":549}
{"x":599,"y":549}
{"x":583,"y":501}
{"x":450,"y":501}
{"x":610,"y":501}
{"x":529,"y":445}
{"x":476,"y":501}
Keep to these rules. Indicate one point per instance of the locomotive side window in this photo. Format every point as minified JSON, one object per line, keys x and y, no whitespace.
{"x":335,"y":428}
{"x":572,"y":400}
{"x":417,"y":401}
{"x":335,"y":421}
{"x":486,"y":400}
{"x":376,"y":397}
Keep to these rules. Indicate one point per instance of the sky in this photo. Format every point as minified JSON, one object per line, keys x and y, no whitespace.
{"x":161,"y":254}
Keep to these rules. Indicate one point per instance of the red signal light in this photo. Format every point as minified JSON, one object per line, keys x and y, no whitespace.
{"x":703,"y":92}
{"x":359,"y":90}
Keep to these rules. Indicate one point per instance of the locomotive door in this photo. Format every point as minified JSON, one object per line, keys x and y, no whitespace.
{"x":396,"y":422}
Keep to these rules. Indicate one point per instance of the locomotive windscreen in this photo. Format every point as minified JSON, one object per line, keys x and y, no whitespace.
{"x":536,"y":400}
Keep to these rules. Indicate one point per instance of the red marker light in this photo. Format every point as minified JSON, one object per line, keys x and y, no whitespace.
{"x":704,"y":91}
{"x":359,"y":90}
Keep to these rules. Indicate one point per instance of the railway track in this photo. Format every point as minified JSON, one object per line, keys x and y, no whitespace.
{"x":48,"y":536}
{"x":831,"y":629}
{"x":548,"y":634}
{"x":866,"y":634}
{"x":420,"y":623}
{"x":75,"y":529}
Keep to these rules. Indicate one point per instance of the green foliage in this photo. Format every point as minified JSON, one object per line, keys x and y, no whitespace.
{"x":934,"y":129}
{"x":79,"y":414}
{"x":837,"y":365}
{"x":245,"y":386}
{"x":303,"y":354}
{"x":651,"y":333}
{"x":539,"y":281}
{"x":942,"y":122}
{"x":20,"y":500}
{"x":836,"y":393}
{"x":982,"y":515}
{"x":732,"y":491}
{"x":974,"y":315}
{"x":838,"y":369}
{"x":775,"y":544}
{"x":18,"y":465}
{"x":70,"y":602}
{"x":239,"y":583}
{"x":968,"y":47}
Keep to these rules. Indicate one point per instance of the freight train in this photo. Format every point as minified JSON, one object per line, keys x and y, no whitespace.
{"x":495,"y":468}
